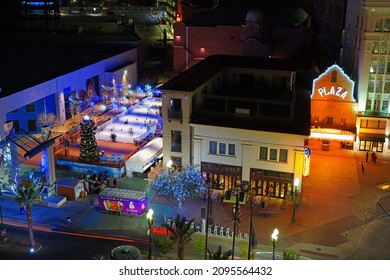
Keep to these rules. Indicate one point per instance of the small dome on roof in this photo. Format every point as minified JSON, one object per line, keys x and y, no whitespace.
{"x":254,"y":14}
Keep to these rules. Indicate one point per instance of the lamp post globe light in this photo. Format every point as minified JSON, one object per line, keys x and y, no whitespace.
{"x":296,"y":184}
{"x":274,"y":237}
{"x":149,"y":216}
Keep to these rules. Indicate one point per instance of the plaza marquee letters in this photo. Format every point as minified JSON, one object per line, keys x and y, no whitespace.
{"x":334,"y":90}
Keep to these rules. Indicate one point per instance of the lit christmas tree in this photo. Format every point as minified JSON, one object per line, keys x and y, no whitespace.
{"x":89,"y":150}
{"x":180,"y":185}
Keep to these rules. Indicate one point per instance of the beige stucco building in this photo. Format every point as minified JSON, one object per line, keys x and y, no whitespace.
{"x":238,"y":119}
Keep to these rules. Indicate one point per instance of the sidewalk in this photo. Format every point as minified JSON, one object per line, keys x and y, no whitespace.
{"x":337,"y":217}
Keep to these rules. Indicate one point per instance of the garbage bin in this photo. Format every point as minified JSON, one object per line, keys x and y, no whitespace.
{"x":22,"y":210}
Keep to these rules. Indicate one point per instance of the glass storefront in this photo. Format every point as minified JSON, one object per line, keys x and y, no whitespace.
{"x":367,"y":145}
{"x":271,"y":183}
{"x":221,"y":177}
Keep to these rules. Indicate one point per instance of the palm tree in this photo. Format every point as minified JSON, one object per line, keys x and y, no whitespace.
{"x":27,"y":195}
{"x":217,"y":255}
{"x":181,"y":231}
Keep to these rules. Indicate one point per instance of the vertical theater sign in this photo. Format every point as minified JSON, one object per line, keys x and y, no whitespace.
{"x":333,"y":107}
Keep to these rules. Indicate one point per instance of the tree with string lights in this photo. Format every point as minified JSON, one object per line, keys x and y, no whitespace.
{"x":180,"y":185}
{"x":89,"y":150}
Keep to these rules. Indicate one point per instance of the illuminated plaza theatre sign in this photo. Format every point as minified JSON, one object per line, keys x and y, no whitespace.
{"x":333,"y":107}
{"x":334,"y":85}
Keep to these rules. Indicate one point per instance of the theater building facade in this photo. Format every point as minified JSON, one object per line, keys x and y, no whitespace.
{"x":334,"y":108}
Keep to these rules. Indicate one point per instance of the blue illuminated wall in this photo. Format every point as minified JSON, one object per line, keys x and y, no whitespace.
{"x":25,"y":117}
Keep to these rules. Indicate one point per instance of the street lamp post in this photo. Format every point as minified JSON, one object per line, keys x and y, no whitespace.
{"x":296,"y":183}
{"x":207,"y":221}
{"x":235,"y":221}
{"x":250,"y":230}
{"x":149,"y":216}
{"x":274,"y":237}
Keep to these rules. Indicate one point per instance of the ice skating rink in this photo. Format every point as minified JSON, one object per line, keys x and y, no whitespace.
{"x":135,"y":124}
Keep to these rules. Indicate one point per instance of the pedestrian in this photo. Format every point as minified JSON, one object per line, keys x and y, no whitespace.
{"x":367,"y":155}
{"x":372,"y":156}
{"x":362,"y":167}
{"x":374,"y":159}
{"x":114,"y":182}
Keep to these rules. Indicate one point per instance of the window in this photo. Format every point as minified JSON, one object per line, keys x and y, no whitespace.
{"x":176,"y":163}
{"x":365,"y":123}
{"x":273,"y":154}
{"x":334,"y":76}
{"x":175,"y":105}
{"x":176,"y":141}
{"x":283,"y":155}
{"x":378,"y":25}
{"x":385,"y":105}
{"x":222,"y":148}
{"x":263,"y":153}
{"x":386,"y":25}
{"x":381,"y":67}
{"x":202,"y":53}
{"x":213,"y":147}
{"x":378,"y":86}
{"x":387,"y":87}
{"x":175,"y":109}
{"x":32,"y":125}
{"x":177,"y":40}
{"x":232,"y":150}
{"x":369,"y":102}
{"x":30,"y":108}
{"x":373,"y":67}
{"x":329,"y":120}
{"x":383,"y":48}
{"x":371,"y":85}
{"x":375,"y":48}
{"x":16,"y":125}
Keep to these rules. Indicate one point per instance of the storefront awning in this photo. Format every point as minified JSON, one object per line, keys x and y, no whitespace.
{"x":372,"y":137}
{"x":331,"y":134}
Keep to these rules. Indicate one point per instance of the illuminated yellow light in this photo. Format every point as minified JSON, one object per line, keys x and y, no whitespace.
{"x":346,"y":137}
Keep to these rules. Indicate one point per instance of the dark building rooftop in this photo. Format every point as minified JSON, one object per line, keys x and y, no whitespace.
{"x":191,"y":79}
{"x":30,"y":58}
{"x":300,"y":124}
{"x":274,"y":14}
{"x":195,"y":76}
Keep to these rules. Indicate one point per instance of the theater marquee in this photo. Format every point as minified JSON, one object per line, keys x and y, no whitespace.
{"x":333,"y":107}
{"x":333,"y":84}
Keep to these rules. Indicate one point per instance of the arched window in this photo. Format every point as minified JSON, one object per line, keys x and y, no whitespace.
{"x":334,"y":76}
